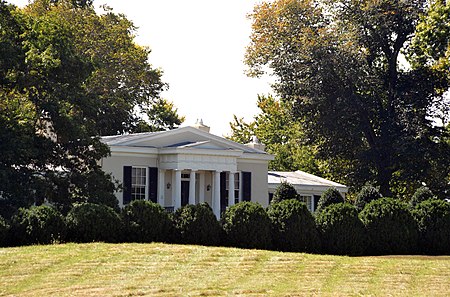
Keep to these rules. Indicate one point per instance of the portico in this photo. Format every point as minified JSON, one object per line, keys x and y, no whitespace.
{"x":187,"y":166}
{"x":180,"y":187}
{"x":191,"y":176}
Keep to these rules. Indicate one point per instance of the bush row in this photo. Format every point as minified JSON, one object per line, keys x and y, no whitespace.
{"x":384,"y":226}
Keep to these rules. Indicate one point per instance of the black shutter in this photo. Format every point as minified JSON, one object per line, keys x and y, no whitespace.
{"x":316,"y":201}
{"x":246,"y":186}
{"x":126,"y":184}
{"x":223,"y":191}
{"x":153,"y":184}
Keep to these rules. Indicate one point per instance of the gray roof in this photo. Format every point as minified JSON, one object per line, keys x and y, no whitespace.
{"x":202,"y":138}
{"x":301,"y":178}
{"x":115,"y":139}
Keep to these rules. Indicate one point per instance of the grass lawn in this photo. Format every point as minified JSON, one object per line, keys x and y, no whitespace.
{"x":100,"y":269}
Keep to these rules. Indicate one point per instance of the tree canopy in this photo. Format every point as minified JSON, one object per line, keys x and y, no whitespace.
{"x":67,"y":76}
{"x":126,"y":86}
{"x":281,"y":134}
{"x":366,"y":80}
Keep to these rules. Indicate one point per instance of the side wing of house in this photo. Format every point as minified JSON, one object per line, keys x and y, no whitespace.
{"x":186,"y":166}
{"x":310,"y":187}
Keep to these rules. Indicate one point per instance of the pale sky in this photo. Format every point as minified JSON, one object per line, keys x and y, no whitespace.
{"x":200,"y":46}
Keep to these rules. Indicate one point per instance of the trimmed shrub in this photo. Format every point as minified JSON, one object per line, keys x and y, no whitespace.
{"x":88,"y":222}
{"x":284,"y":191}
{"x":197,"y":224}
{"x":145,"y":221}
{"x":37,"y":225}
{"x":433,"y":220}
{"x":4,"y":228}
{"x":366,"y":195}
{"x":342,"y":232}
{"x":330,"y":196}
{"x":247,"y":225}
{"x":390,"y":226}
{"x":420,"y":195}
{"x":293,"y":227}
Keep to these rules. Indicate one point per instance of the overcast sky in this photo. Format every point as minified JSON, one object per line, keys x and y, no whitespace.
{"x":200,"y":46}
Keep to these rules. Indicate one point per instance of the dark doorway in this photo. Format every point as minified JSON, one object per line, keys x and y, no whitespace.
{"x":184,"y":192}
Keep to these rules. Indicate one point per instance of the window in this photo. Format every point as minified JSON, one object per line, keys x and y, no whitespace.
{"x":316,"y":201}
{"x":138,"y":183}
{"x":307,"y":199}
{"x":270,"y":197}
{"x":236,"y":186}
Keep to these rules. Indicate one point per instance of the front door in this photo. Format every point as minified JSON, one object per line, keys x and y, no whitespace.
{"x":184,"y":192}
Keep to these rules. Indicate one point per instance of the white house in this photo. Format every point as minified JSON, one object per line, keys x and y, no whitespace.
{"x":187,"y":165}
{"x":310,"y":187}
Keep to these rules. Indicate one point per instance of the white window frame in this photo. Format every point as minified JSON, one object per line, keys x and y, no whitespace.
{"x":134,"y":195}
{"x":308,"y":200}
{"x":237,"y":186}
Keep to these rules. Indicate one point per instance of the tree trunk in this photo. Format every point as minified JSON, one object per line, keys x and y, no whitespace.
{"x":385,"y":171}
{"x":384,"y":177}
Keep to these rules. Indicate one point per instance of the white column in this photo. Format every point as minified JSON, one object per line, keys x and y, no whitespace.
{"x":177,"y":188}
{"x":231,"y":189}
{"x":192,"y":187}
{"x":201,"y":188}
{"x":161,"y":187}
{"x":172,"y":188}
{"x":216,"y":195}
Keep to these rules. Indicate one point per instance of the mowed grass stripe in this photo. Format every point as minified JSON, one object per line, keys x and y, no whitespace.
{"x":184,"y":270}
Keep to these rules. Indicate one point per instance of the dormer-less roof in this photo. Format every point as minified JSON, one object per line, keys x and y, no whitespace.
{"x":184,"y":138}
{"x":301,"y":179}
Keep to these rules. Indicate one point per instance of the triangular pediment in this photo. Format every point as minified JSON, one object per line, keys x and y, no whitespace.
{"x":207,"y":144}
{"x":185,"y":137}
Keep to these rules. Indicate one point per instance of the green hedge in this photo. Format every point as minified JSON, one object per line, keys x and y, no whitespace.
{"x":330,"y":196}
{"x":433,"y":220}
{"x":293,"y":227}
{"x":37,"y":225}
{"x":366,"y":195}
{"x":390,"y":226}
{"x":247,"y":225}
{"x":342,"y":232}
{"x":420,"y":195}
{"x":197,"y":224}
{"x":145,"y":221}
{"x":88,"y":222}
{"x":284,"y":191}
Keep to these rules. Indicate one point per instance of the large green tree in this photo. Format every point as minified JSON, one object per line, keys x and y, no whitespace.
{"x":48,"y":151}
{"x":126,"y":86}
{"x":365,"y":79}
{"x":283,"y":137}
{"x":67,"y":76}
